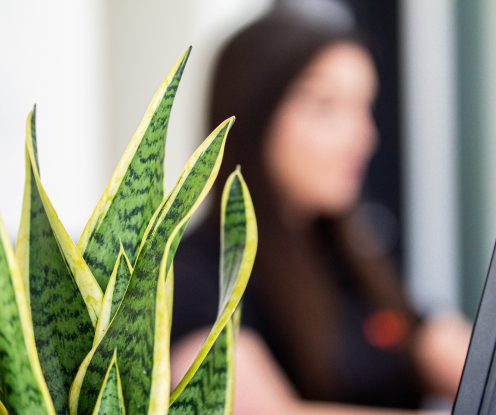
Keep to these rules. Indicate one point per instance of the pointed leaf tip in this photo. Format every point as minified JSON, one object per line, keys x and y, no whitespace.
{"x":238,"y":249}
{"x":110,"y":399}
{"x":63,"y":316}
{"x":136,"y":188}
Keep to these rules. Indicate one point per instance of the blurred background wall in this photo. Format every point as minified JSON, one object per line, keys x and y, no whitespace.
{"x":429,"y":159}
{"x":52,"y":54}
{"x":92,"y":67}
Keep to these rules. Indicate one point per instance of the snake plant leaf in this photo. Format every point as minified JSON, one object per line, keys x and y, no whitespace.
{"x":211,"y":389}
{"x":136,"y":188}
{"x":3,"y":409}
{"x":63,"y":325}
{"x":24,"y":390}
{"x":110,"y":400}
{"x":35,"y":198}
{"x":114,"y":293}
{"x":140,"y":330}
{"x":203,"y":384}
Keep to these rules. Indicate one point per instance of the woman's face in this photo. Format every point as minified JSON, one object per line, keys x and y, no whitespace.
{"x":322,"y":135}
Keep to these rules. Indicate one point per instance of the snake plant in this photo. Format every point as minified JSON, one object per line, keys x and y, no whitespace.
{"x":85,"y":328}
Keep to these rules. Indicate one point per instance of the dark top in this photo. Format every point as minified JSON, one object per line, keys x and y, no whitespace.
{"x":369,"y":374}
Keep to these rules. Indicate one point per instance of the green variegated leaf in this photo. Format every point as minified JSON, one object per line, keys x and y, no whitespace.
{"x":24,"y":390}
{"x":207,"y":386}
{"x":136,"y":188}
{"x":211,"y":389}
{"x":140,"y":329}
{"x":36,"y":204}
{"x":110,"y":400}
{"x":62,"y":322}
{"x":116,"y":288}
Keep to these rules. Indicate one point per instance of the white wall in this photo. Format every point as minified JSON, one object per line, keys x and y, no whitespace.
{"x":92,"y":67}
{"x":51,"y":55}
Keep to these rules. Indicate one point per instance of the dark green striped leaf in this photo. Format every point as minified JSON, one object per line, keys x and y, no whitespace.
{"x":140,"y":329}
{"x":207,"y":386}
{"x":110,"y":400}
{"x":136,"y":188}
{"x":211,"y":389}
{"x":63,"y":327}
{"x":24,"y":390}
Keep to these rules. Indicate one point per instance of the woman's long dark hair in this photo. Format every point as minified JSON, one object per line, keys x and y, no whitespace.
{"x":293,"y":277}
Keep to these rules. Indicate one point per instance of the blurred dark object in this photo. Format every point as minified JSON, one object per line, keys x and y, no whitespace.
{"x":477,"y":390}
{"x":379,"y":19}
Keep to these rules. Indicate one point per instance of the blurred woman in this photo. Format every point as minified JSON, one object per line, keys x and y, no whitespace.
{"x":326,"y":327}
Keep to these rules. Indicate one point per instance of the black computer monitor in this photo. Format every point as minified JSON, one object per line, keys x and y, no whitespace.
{"x":477,"y":390}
